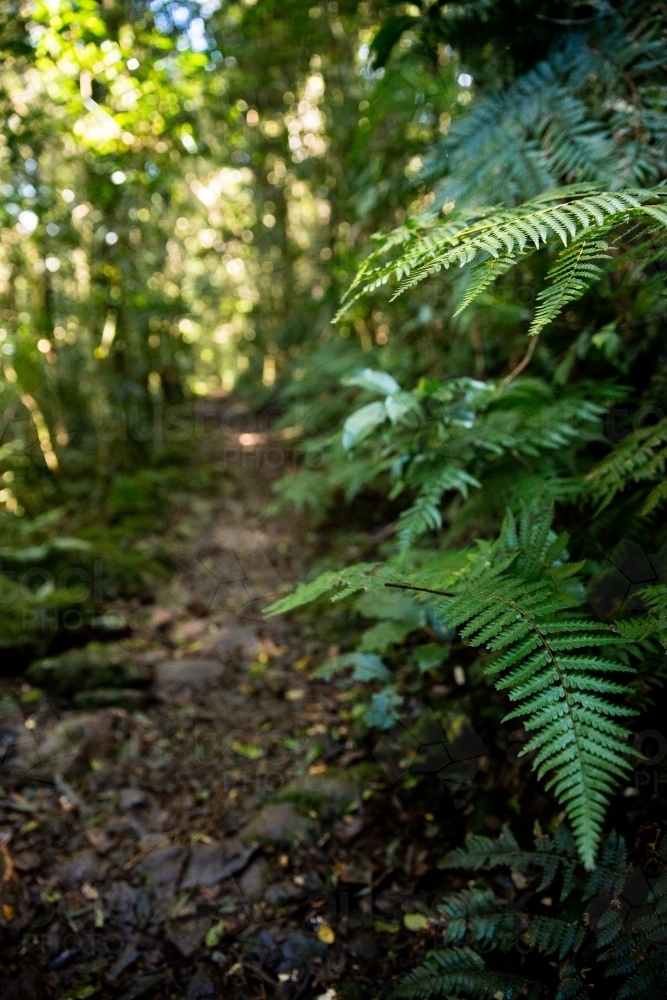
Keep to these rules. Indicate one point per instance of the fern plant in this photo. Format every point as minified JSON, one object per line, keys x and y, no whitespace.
{"x":447,"y":437}
{"x":593,"y":109}
{"x":551,"y":669}
{"x":589,"y":223}
{"x":598,"y":941}
{"x":638,"y":459}
{"x":516,"y":597}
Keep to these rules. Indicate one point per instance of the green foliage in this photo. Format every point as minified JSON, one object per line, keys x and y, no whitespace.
{"x":458,"y":972}
{"x":552,"y":856}
{"x":601,"y":944}
{"x":537,"y":210}
{"x":638,"y":459}
{"x":580,"y":217}
{"x":344,"y":583}
{"x":571,"y":117}
{"x":180,"y":218}
{"x":550,"y":666}
{"x":516,"y":598}
{"x":448,"y":437}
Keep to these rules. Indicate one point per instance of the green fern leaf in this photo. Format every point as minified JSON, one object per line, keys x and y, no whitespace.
{"x":553,"y":856}
{"x":639,"y":458}
{"x":342,"y":583}
{"x":550,"y":666}
{"x":451,"y":972}
{"x":492,"y":240}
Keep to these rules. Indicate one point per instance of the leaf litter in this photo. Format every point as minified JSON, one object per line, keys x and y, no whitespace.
{"x":216,"y":831}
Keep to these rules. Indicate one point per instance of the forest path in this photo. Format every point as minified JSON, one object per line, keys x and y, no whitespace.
{"x":211,"y":830}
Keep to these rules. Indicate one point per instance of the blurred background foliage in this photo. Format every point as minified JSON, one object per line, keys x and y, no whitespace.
{"x":187,"y":190}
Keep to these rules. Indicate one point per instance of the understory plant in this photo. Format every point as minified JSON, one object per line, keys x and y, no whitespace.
{"x":524,"y":473}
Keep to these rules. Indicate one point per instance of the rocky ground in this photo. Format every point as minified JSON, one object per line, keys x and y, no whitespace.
{"x":185,"y":813}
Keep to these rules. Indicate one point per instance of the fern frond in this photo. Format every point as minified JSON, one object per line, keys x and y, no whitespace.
{"x":574,"y":117}
{"x":481,"y":276}
{"x":597,"y":945}
{"x":553,"y":856}
{"x":343,"y":583}
{"x":424,"y":514}
{"x":585,"y":219}
{"x":552,"y":936}
{"x":633,"y":949}
{"x":476,"y":917}
{"x":551,"y":668}
{"x":441,"y":441}
{"x":453,"y":972}
{"x":639,"y":458}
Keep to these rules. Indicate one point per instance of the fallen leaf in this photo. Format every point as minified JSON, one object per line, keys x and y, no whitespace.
{"x":213,"y":936}
{"x":326,"y":934}
{"x":383,"y":928}
{"x":249,"y":750}
{"x":89,"y":891}
{"x":415,"y":922}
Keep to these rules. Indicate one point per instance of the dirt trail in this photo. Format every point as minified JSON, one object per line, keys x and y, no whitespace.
{"x":213,"y":831}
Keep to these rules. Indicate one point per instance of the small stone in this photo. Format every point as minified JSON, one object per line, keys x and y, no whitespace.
{"x":330,"y":792}
{"x":27,"y":861}
{"x":120,"y":900}
{"x":99,"y":665}
{"x":99,"y":839}
{"x":130,"y":698}
{"x":282,"y":893}
{"x":253,"y":882}
{"x":187,"y":935}
{"x":162,"y":868}
{"x":195,"y":672}
{"x":187,"y":631}
{"x":161,"y":617}
{"x":212,"y":863}
{"x":131,"y":798}
{"x":71,"y":743}
{"x":238,"y":539}
{"x":234,"y":637}
{"x":348,"y":828}
{"x":200,"y":986}
{"x":279,"y":823}
{"x":297,"y":950}
{"x":84,"y":866}
{"x":126,"y":959}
